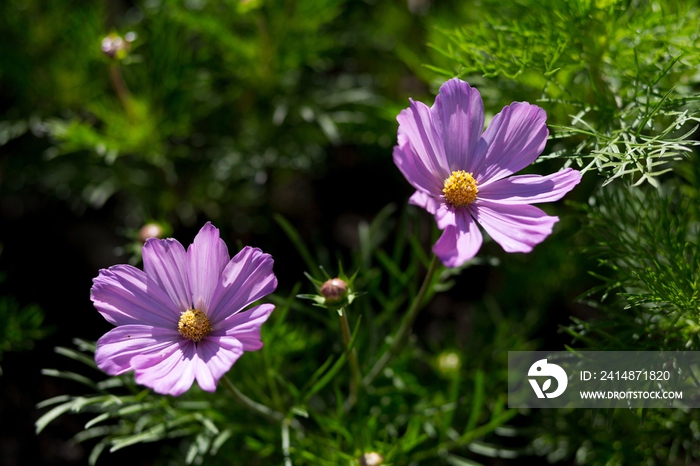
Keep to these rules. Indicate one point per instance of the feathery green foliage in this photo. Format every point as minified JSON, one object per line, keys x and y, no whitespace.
{"x":617,"y":78}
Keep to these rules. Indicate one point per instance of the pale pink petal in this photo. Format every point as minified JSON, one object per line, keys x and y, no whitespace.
{"x":445,"y":216}
{"x":531,"y":189}
{"x":245,"y":326}
{"x":459,"y":114}
{"x":206,"y":258}
{"x":514,"y":139}
{"x":425,"y":201}
{"x":245,"y":279}
{"x":218,"y":353}
{"x":460,"y":243}
{"x":117,"y":347}
{"x":517,"y":228}
{"x":165,"y":262}
{"x":418,"y":129}
{"x":416,"y":173}
{"x":124,"y":295}
{"x":169,"y":371}
{"x":203,"y":375}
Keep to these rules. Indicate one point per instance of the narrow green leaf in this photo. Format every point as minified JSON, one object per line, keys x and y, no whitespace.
{"x":47,"y":418}
{"x":337,"y":366}
{"x":96,"y":452}
{"x":76,"y":356}
{"x":97,"y":419}
{"x":219,"y":441}
{"x":477,"y":402}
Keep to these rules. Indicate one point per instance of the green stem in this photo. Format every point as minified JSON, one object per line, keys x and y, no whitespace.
{"x":405,"y":328}
{"x":261,"y":409}
{"x":123,"y":94}
{"x":354,"y":364}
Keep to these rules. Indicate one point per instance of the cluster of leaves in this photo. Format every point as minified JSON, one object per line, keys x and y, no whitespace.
{"x":647,"y":246}
{"x":210,"y":101}
{"x":616,"y":77}
{"x":619,"y":82}
{"x":20,"y":326}
{"x":649,"y":250}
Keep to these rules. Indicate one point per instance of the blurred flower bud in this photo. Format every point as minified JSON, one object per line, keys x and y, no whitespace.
{"x":449,"y":363}
{"x":150,"y":230}
{"x":114,"y":46}
{"x":334,"y":290}
{"x":371,"y":459}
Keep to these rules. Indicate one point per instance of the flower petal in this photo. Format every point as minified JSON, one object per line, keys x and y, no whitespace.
{"x":245,"y":326}
{"x":425,"y":201}
{"x":445,"y":216}
{"x":124,"y":295}
{"x":460,"y":111}
{"x":206,"y":258}
{"x":423,"y":134}
{"x":459,"y":243}
{"x":514,"y":139}
{"x":245,"y":279}
{"x":117,"y":347}
{"x":415,"y":172}
{"x":216,"y":354}
{"x":165,"y":262}
{"x":531,"y":189}
{"x":169,"y":371}
{"x":517,"y":228}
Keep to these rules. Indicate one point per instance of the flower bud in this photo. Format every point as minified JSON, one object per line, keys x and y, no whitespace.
{"x":334,"y":290}
{"x":150,"y":230}
{"x":371,"y":459}
{"x":449,"y":363}
{"x":114,"y":46}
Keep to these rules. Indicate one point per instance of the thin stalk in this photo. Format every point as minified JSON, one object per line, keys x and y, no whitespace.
{"x":261,"y":409}
{"x":123,"y":94}
{"x":285,"y":444}
{"x":277,"y":400}
{"x":356,"y":375}
{"x":405,"y":328}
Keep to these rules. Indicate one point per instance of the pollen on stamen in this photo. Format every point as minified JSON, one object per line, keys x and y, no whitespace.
{"x":194,"y":325}
{"x":460,"y":188}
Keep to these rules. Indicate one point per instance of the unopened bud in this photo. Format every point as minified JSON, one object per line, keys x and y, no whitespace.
{"x":115,"y":46}
{"x":449,"y":362}
{"x":334,"y":290}
{"x":150,"y":230}
{"x":371,"y":459}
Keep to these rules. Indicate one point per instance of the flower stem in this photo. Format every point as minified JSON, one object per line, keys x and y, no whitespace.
{"x":123,"y":94}
{"x":405,"y":328}
{"x":261,"y":409}
{"x":354,"y":364}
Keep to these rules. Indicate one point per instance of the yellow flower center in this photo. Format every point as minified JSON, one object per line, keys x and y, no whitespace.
{"x":460,"y":189}
{"x":194,"y":325}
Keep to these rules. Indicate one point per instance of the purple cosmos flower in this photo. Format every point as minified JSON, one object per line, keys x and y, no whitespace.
{"x":180,"y":318}
{"x":461,"y":176}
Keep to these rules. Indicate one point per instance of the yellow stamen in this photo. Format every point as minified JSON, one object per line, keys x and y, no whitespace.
{"x":460,"y":189}
{"x":194,"y":325}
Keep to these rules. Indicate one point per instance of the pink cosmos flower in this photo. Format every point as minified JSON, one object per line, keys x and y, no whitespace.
{"x":181,"y":318}
{"x":462,"y":177}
